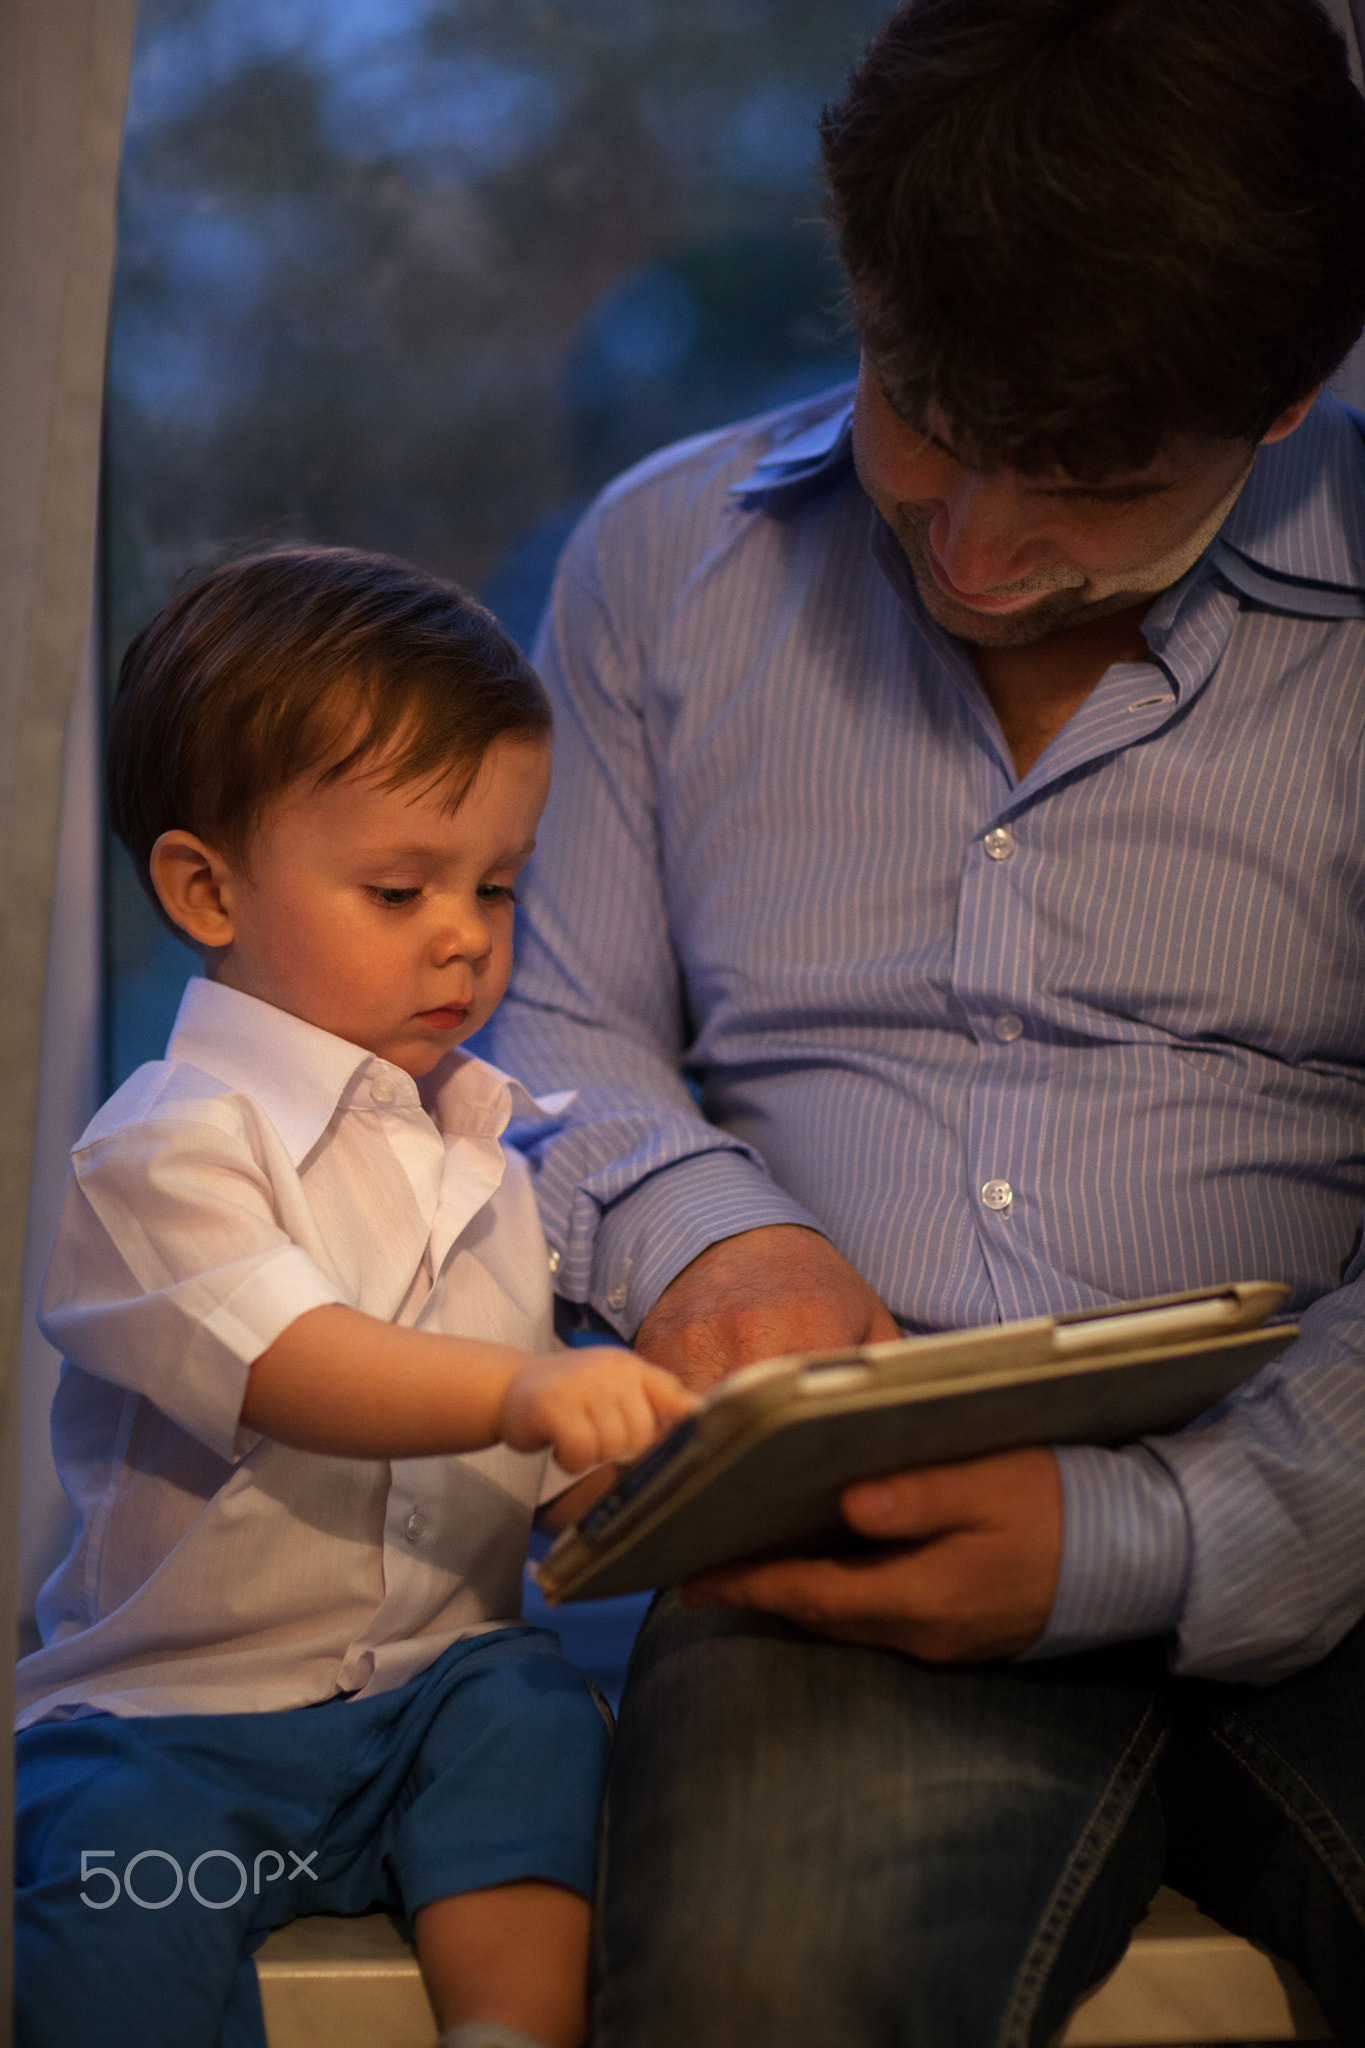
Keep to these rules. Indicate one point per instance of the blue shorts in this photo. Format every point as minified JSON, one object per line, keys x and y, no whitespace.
{"x":155,"y":1855}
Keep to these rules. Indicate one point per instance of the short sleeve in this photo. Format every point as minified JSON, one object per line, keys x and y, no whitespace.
{"x":171,"y":1274}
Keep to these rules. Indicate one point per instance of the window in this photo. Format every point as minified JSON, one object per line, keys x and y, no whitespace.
{"x":420,"y":275}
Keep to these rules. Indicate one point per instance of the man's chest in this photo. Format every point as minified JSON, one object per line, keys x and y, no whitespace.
{"x":846,"y":851}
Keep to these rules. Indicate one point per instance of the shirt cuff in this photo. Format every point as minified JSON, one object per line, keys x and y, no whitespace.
{"x":646,"y":1237}
{"x":279,"y":1291}
{"x":1125,"y":1550}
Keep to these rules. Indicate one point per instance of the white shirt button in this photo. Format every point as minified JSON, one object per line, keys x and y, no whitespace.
{"x":999,"y":843}
{"x":997,"y":1194}
{"x":616,"y":1297}
{"x":383,"y":1089}
{"x":555,"y":1261}
{"x":414,"y":1526}
{"x":1007,"y":1027}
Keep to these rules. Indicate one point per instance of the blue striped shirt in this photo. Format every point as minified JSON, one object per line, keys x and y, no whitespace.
{"x":787,"y":858}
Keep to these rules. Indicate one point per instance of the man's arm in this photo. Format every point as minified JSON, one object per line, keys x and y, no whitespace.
{"x":633,"y":1183}
{"x":1243,"y":1538}
{"x":760,"y":1295}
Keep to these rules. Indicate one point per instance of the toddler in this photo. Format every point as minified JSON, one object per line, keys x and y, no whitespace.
{"x":311,"y":1388}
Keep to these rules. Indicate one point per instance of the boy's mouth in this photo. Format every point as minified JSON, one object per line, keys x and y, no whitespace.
{"x":449,"y":1018}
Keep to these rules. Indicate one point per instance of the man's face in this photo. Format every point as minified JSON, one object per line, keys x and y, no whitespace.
{"x":1003,"y":559}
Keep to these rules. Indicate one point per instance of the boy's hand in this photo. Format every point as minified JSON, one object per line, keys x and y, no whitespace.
{"x":590,"y":1406}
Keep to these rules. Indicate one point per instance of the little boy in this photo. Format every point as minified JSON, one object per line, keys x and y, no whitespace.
{"x":296,"y":1271}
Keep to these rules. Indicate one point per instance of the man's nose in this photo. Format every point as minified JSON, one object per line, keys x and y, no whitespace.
{"x":980,"y":534}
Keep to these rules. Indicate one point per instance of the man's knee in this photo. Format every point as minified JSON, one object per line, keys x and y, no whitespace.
{"x":812,"y":1842}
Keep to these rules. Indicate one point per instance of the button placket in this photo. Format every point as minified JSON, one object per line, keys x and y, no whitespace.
{"x":993,"y":981}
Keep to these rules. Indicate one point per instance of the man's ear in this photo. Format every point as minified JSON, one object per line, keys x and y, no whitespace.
{"x":195,"y":886}
{"x":1293,"y":416}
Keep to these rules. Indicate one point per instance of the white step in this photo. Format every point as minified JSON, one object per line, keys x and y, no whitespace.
{"x":328,"y":1983}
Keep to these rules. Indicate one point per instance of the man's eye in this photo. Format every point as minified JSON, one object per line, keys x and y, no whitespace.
{"x":394,"y":899}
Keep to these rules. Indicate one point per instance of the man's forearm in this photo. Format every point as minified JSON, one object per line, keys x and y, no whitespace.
{"x":758,"y":1295}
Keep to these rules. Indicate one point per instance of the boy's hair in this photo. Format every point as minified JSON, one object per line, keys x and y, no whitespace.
{"x":305,"y":660}
{"x":1077,"y":229}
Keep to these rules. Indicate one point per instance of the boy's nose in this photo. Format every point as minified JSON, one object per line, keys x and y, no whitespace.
{"x":464,"y":938}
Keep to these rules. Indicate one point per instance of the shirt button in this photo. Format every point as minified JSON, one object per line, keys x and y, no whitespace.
{"x":555,"y":1261}
{"x":616,"y":1298}
{"x":383,"y":1089}
{"x":997,"y":1194}
{"x":1007,"y":1027}
{"x":999,"y":843}
{"x":414,"y":1526}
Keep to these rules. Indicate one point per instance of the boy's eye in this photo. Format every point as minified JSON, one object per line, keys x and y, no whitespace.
{"x":496,"y":892}
{"x":394,"y":899}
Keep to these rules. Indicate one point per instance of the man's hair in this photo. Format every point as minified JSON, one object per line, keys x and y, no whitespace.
{"x":1077,"y":229}
{"x":319,"y":661}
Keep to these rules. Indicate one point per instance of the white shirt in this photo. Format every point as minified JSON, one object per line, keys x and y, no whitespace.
{"x":264,"y":1168}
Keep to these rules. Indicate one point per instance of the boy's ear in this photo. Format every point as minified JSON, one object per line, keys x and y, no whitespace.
{"x":195,"y":887}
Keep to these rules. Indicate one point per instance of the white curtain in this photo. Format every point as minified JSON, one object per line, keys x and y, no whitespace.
{"x":70,"y":1075}
{"x":63,"y":81}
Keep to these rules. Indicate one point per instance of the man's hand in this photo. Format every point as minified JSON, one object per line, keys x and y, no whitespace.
{"x":969,"y":1574}
{"x":759,"y":1295}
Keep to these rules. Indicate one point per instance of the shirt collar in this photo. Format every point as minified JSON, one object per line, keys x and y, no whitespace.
{"x":1301,"y":516}
{"x":811,"y":444}
{"x":299,"y":1074}
{"x":1294,"y":540}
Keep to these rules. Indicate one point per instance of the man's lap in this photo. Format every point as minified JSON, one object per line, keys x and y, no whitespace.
{"x":820,"y":1844}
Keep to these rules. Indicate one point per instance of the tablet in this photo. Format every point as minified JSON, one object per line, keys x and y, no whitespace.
{"x":758,"y":1470}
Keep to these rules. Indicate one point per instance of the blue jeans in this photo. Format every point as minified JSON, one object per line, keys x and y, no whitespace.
{"x":815,"y":1846}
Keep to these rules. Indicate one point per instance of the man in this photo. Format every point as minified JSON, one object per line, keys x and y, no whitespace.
{"x":965,"y":793}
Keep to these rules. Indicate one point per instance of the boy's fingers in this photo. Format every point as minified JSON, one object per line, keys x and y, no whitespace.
{"x":575,"y":1442}
{"x":668,"y":1396}
{"x":615,"y":1438}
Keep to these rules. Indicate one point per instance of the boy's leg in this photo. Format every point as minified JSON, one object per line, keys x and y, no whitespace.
{"x":139,"y":1877}
{"x":494,"y":1837}
{"x":1266,"y":1793}
{"x":817,"y":1844}
{"x":484,"y":1771}
{"x":516,"y":1955}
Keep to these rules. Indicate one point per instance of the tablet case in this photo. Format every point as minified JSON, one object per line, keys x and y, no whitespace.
{"x":758,"y":1470}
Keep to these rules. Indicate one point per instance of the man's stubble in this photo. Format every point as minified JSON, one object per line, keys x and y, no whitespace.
{"x":1062,"y":603}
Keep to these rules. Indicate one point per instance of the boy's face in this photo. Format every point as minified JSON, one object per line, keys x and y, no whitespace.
{"x":371,"y":912}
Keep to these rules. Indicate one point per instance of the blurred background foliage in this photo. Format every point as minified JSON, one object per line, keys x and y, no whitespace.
{"x":421,"y":275}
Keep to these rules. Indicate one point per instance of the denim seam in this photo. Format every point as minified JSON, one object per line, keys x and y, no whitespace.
{"x":1313,"y":1821}
{"x":1097,"y":1838}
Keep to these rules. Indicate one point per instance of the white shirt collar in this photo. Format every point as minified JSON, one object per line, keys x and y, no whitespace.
{"x":299,"y":1073}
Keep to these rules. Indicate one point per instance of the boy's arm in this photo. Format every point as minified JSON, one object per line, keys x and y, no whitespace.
{"x":339,"y":1381}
